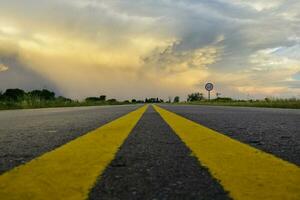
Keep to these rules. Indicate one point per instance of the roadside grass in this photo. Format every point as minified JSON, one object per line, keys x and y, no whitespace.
{"x":6,"y":105}
{"x":267,"y":103}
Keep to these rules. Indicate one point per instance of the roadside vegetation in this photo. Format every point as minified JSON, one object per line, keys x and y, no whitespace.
{"x":20,"y":99}
{"x":269,"y":102}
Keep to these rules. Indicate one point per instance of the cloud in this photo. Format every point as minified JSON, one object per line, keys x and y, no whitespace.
{"x":3,"y":68}
{"x":152,"y":47}
{"x":172,"y":59}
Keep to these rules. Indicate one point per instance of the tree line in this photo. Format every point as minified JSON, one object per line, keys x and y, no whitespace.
{"x":19,"y":95}
{"x":18,"y":98}
{"x":44,"y":95}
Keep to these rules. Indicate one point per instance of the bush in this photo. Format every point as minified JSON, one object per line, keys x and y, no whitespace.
{"x":176,"y":99}
{"x":42,"y":94}
{"x":13,"y":95}
{"x":223,"y":99}
{"x":195,"y":97}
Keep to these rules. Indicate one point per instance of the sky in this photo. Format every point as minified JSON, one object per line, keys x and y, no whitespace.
{"x":151,"y":48}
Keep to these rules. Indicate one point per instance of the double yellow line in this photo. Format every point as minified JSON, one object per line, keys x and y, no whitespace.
{"x":246,"y":172}
{"x":69,"y":172}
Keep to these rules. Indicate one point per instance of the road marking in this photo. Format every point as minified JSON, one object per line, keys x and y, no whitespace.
{"x":70,"y":171}
{"x":246,"y":172}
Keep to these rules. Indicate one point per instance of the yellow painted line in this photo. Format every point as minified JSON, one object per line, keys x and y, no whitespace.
{"x":70,"y":171}
{"x":246,"y":172}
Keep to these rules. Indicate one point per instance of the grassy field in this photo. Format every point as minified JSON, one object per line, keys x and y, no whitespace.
{"x":51,"y":104}
{"x":267,"y":103}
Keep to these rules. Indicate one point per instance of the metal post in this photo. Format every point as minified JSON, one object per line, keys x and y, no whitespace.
{"x":209,"y":87}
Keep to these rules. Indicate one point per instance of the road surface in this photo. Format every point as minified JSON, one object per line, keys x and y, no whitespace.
{"x":26,"y":134}
{"x":161,"y":152}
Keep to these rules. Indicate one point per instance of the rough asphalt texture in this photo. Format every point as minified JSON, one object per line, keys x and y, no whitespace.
{"x":276,"y":131}
{"x":26,"y":134}
{"x":154,"y":163}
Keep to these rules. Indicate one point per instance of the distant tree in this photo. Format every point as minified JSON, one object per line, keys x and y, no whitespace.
{"x":152,"y":100}
{"x":223,"y":99}
{"x":112,"y":100}
{"x":42,"y":94}
{"x":176,"y":99}
{"x":14,"y":95}
{"x":48,"y":95}
{"x":102,"y":97}
{"x":92,"y":99}
{"x":64,"y":99}
{"x":126,"y":101}
{"x":34,"y":94}
{"x":218,"y":94}
{"x":133,"y":101}
{"x":268,"y":99}
{"x":195,"y":97}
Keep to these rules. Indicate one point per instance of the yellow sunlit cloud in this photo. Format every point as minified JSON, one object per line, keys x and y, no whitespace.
{"x":164,"y":48}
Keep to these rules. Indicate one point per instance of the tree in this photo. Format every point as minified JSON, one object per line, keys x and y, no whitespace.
{"x":176,"y":99}
{"x":195,"y":97}
{"x":63,"y":99}
{"x":92,"y":99}
{"x":14,"y":95}
{"x":112,"y":100}
{"x":102,"y":97}
{"x":133,"y":101}
{"x":47,"y":95}
{"x":42,"y":94}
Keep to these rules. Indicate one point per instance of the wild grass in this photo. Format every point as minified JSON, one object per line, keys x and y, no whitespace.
{"x":292,"y":103}
{"x":6,"y":105}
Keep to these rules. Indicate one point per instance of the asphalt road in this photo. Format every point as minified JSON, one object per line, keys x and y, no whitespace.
{"x":276,"y":131}
{"x":26,"y":134}
{"x":153,"y":162}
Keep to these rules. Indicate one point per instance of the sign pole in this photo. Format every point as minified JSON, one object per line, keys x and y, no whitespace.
{"x":209,"y":87}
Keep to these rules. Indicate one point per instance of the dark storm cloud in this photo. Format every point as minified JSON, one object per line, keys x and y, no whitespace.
{"x":18,"y":75}
{"x":235,"y":42}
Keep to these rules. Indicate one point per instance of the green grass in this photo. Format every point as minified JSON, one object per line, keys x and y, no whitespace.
{"x":268,"y":103}
{"x":51,"y":104}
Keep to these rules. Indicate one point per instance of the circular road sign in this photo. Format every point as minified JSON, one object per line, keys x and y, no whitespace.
{"x":209,"y":86}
